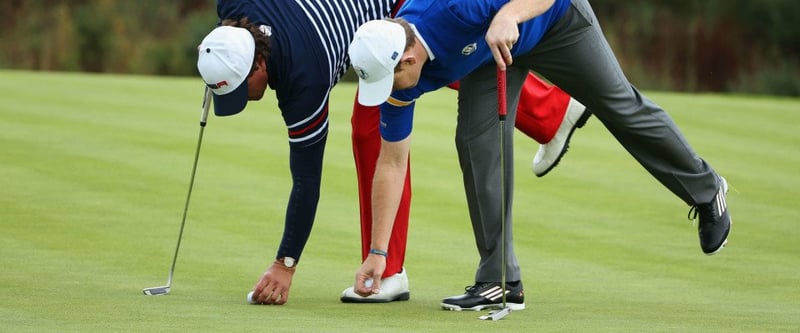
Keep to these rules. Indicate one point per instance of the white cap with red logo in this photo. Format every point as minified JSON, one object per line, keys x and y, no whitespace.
{"x":225,"y":57}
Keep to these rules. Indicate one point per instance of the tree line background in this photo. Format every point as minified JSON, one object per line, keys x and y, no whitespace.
{"x":743,"y":46}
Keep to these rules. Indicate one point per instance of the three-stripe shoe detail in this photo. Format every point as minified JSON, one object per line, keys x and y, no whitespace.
{"x":714,"y":221}
{"x":494,"y":293}
{"x":484,"y":295}
{"x":721,"y":204}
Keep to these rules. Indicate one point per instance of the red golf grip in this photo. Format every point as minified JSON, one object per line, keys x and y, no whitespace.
{"x":501,"y":93}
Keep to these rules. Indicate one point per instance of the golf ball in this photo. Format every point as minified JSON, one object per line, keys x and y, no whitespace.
{"x":250,"y":298}
{"x":368,"y":283}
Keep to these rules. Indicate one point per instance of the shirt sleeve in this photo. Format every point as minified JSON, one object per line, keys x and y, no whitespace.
{"x":397,"y":116}
{"x":475,"y":13}
{"x":306,"y":166}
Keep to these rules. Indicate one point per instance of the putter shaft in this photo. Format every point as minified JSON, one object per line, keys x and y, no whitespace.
{"x":163,"y":290}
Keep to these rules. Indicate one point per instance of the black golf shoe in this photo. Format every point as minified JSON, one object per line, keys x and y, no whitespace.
{"x":487,"y":295}
{"x":714,"y":221}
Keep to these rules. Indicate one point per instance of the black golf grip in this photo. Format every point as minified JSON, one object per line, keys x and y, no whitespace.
{"x":206,"y":105}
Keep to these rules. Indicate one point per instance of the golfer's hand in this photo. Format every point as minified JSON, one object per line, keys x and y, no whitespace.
{"x":370,"y":270}
{"x":501,"y":36}
{"x":273,"y":288}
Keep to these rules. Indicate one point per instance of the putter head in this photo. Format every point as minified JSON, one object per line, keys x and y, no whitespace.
{"x":156,"y":291}
{"x":496,"y":315}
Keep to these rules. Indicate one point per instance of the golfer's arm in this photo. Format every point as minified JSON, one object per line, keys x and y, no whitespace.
{"x":523,"y":10}
{"x":387,"y":188}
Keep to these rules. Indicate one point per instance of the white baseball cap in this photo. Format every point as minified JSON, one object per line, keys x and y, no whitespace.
{"x":225,"y":57}
{"x":374,"y":53}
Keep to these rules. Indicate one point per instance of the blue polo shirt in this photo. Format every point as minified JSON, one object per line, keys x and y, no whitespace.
{"x":454,"y":33}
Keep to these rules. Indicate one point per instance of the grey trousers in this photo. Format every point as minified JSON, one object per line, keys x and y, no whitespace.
{"x":576,"y":57}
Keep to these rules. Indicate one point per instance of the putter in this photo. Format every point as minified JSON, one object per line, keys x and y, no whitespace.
{"x":163,"y":290}
{"x":501,"y":113}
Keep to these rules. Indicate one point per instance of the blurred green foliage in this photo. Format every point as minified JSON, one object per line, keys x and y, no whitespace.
{"x":144,"y":36}
{"x":711,"y":45}
{"x":684,"y":45}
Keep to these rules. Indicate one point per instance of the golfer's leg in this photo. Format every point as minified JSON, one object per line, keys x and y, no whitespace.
{"x":576,"y":57}
{"x":366,"y":140}
{"x":478,"y":145}
{"x":541,"y":109}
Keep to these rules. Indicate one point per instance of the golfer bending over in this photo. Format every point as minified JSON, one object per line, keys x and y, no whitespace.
{"x":432,"y":43}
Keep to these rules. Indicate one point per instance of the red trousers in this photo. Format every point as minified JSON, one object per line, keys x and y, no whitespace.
{"x":541,"y":108}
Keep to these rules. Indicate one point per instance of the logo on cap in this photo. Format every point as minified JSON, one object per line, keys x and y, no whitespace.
{"x":394,"y":55}
{"x":217,"y":85}
{"x":361,"y":73}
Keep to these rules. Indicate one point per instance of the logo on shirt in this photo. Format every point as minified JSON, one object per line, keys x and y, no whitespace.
{"x":266,"y":30}
{"x":469,"y":49}
{"x":361,"y":73}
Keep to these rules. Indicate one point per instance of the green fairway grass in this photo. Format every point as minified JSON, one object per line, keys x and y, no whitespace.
{"x":94,"y":172}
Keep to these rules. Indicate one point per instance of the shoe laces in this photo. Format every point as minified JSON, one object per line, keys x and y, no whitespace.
{"x":472,"y":289}
{"x":699,"y":210}
{"x":692,"y":216}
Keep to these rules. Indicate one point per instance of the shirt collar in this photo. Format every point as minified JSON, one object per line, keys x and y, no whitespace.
{"x":431,"y":56}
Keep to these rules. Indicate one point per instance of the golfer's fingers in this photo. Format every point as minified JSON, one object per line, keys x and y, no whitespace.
{"x":507,"y":58}
{"x":368,"y":286}
{"x":266,"y":293}
{"x":362,"y":287}
{"x":498,"y":57}
{"x":282,"y":297}
{"x":264,"y":296}
{"x":274,"y":294}
{"x":376,"y":284}
{"x":277,"y":296}
{"x":502,"y":55}
{"x":257,"y":291}
{"x":262,"y":288}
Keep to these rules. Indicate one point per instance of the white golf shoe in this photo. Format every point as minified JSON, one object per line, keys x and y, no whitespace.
{"x":549,"y":154}
{"x":393,"y":288}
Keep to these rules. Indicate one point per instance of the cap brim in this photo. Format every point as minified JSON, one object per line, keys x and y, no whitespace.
{"x":375,"y":93}
{"x":232,"y":102}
